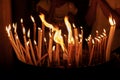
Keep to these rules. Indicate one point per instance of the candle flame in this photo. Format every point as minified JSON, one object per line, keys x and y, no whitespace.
{"x":53,"y":48}
{"x":50,"y":26}
{"x":45,"y":39}
{"x":8,"y":30}
{"x":28,"y":33}
{"x":104,"y":31}
{"x":96,"y":31}
{"x":21,"y":20}
{"x":93,"y":42}
{"x":111,"y":20}
{"x":15,"y":28}
{"x":35,"y":42}
{"x":32,"y":19}
{"x":27,"y":43}
{"x":69,"y":28}
{"x":59,"y":39}
{"x":74,"y":25}
{"x":23,"y":30}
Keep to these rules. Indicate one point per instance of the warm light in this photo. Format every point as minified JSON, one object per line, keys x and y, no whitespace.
{"x":96,"y":31}
{"x":101,"y":36}
{"x":74,"y":25}
{"x":104,"y":30}
{"x":93,"y":42}
{"x":53,"y":48}
{"x":35,"y":42}
{"x":32,"y":19}
{"x":50,"y":26}
{"x":21,"y":20}
{"x":15,"y":28}
{"x":8,"y":30}
{"x":111,"y":20}
{"x":69,"y":28}
{"x":23,"y":30}
{"x":28,"y":33}
{"x":27,"y":43}
{"x":45,"y":39}
{"x":59,"y":39}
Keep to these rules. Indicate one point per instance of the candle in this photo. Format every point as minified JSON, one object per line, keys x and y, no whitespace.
{"x":18,"y":44}
{"x":70,"y":39}
{"x":21,"y":20}
{"x":80,"y":49}
{"x":39,"y":44}
{"x":76,"y":43}
{"x":8,"y":29}
{"x":92,"y":52}
{"x":57,"y":54}
{"x":50,"y":48}
{"x":36,"y":48}
{"x":28,"y":58}
{"x":110,"y":37}
{"x":31,"y":48}
{"x":34,"y":28}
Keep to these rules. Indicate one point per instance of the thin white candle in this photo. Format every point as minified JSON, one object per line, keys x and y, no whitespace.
{"x":110,"y":37}
{"x":39,"y":44}
{"x":34,"y":28}
{"x":92,"y":52}
{"x":31,"y":48}
{"x":28,"y":57}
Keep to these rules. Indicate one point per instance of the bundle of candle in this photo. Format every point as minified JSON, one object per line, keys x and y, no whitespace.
{"x":60,"y":50}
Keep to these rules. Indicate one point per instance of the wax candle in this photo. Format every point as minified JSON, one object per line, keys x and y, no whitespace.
{"x":27,"y":55}
{"x":39,"y":43}
{"x":34,"y":28}
{"x":110,"y":37}
{"x":50,"y":48}
{"x":92,"y":52}
{"x":31,"y":48}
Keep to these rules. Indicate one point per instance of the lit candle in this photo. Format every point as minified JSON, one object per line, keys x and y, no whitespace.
{"x":76,"y":43}
{"x":50,"y":48}
{"x":57,"y":54}
{"x":70,"y":39}
{"x":36,"y":48}
{"x":28,"y":58}
{"x":8,"y":29}
{"x":110,"y":37}
{"x":54,"y":54}
{"x":18,"y":44}
{"x":80,"y":49}
{"x":104,"y":39}
{"x":92,"y":52}
{"x":21,"y":20}
{"x":39,"y":44}
{"x":34,"y":28}
{"x":31,"y":48}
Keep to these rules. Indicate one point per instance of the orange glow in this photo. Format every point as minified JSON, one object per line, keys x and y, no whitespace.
{"x":59,"y":39}
{"x":32,"y":19}
{"x":69,"y":28}
{"x":111,"y":20}
{"x":42,"y":17}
